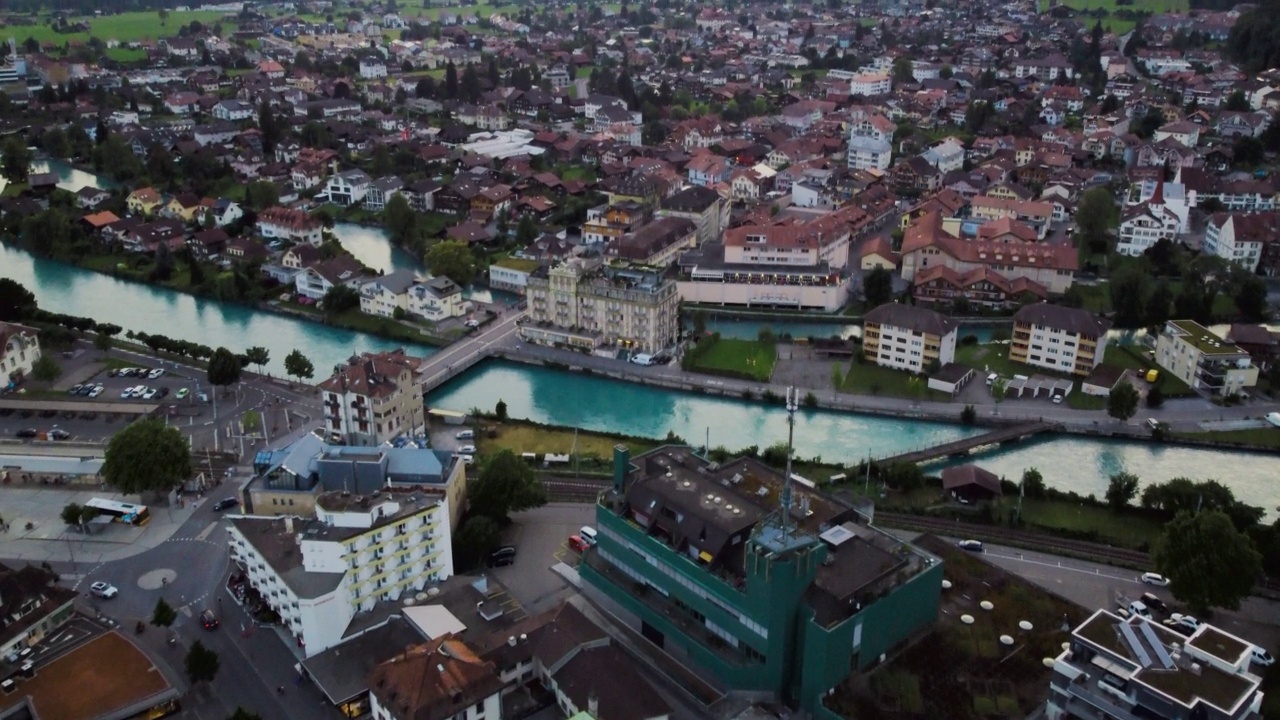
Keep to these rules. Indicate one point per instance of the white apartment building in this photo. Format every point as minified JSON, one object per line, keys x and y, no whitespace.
{"x":870,"y":84}
{"x":320,"y":573}
{"x":581,"y":303}
{"x":19,"y":351}
{"x":373,"y":398}
{"x":1059,"y":338}
{"x":290,"y":224}
{"x":1143,"y":226}
{"x":908,"y":337}
{"x":1240,"y":238}
{"x":1203,"y":360}
{"x":347,"y":188}
{"x":869,"y":153}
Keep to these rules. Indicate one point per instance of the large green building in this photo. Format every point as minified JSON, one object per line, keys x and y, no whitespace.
{"x":700,"y":559}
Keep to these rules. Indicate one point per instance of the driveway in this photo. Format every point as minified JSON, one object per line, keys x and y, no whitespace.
{"x":541,"y":539}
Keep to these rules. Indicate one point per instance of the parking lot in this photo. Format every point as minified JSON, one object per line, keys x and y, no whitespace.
{"x":541,"y":539}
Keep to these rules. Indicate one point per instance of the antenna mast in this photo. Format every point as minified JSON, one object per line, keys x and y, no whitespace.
{"x":786,"y":481}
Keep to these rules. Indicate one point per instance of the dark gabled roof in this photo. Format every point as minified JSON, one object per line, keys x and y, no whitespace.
{"x":913,"y":318}
{"x":1072,"y":320}
{"x":694,"y":199}
{"x":966,"y":475}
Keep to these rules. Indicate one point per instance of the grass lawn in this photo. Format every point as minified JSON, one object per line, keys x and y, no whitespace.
{"x":1264,"y":437}
{"x":127,"y":55}
{"x":875,"y":380}
{"x":124,"y":27}
{"x":1124,"y":529}
{"x":1132,"y":358}
{"x":1079,"y":401}
{"x":992,"y":357}
{"x":1154,"y":6}
{"x":521,"y":437}
{"x":577,"y":172}
{"x":750,"y":357}
{"x":480,"y":11}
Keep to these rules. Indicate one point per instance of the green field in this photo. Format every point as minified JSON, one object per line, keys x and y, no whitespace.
{"x":749,"y":357}
{"x":872,"y":379}
{"x":124,"y":27}
{"x":1121,"y":26}
{"x":480,"y":11}
{"x":127,"y":55}
{"x":1262,"y":437}
{"x":522,"y":438}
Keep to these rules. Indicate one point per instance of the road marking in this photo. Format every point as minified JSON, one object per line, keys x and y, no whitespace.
{"x":1059,"y":566}
{"x":205,"y":533}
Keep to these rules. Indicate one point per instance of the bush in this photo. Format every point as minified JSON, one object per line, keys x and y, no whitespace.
{"x":810,"y":400}
{"x":968,"y":415}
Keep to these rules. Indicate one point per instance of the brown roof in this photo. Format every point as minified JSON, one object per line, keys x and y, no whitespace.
{"x":912,"y":317}
{"x":434,"y":680}
{"x":965,"y":475}
{"x":609,"y":674}
{"x":1073,"y":320}
{"x":100,"y":220}
{"x":374,"y":375}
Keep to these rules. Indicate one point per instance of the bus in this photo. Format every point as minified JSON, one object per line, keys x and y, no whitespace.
{"x":121,"y":511}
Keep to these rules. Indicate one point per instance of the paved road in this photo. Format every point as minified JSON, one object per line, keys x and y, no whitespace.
{"x":502,"y":332}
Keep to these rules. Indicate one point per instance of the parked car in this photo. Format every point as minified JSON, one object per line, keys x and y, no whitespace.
{"x":502,"y":556}
{"x":970,"y":545}
{"x":577,"y":544}
{"x":155,"y":373}
{"x":59,"y":434}
{"x":103,"y":590}
{"x":588,"y":534}
{"x":1154,"y":602}
{"x":1156,"y":579}
{"x":1177,"y":627}
{"x":75,"y":390}
{"x":465,"y":434}
{"x":467,"y":459}
{"x":150,"y":393}
{"x":202,"y":396}
{"x":127,"y":392}
{"x":182,"y":393}
{"x":164,"y":391}
{"x":97,"y":390}
{"x":85,"y":390}
{"x":224,"y":503}
{"x":467,"y":450}
{"x":1261,"y":657}
{"x":209,"y":621}
{"x":472,"y":323}
{"x":27,"y":433}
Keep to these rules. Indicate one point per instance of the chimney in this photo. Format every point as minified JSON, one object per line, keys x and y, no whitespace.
{"x":593,"y":705}
{"x":621,"y":461}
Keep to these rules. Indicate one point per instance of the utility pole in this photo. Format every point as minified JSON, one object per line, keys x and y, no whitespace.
{"x":786,"y":483}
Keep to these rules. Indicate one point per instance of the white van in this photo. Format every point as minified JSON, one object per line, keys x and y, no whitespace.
{"x":642,"y":359}
{"x":466,"y":435}
{"x":1137,"y":607}
{"x":991,"y":379}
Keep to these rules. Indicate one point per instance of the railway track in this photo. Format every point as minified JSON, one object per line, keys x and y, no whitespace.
{"x":566,"y":490}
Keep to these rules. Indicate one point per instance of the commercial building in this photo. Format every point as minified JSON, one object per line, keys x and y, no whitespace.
{"x":19,"y":351}
{"x":1131,"y":668}
{"x":760,"y":595}
{"x":373,"y":398}
{"x":1203,"y":360}
{"x":582,"y":303}
{"x":794,"y":263}
{"x":1059,"y":338}
{"x":906,"y":337}
{"x":702,"y":206}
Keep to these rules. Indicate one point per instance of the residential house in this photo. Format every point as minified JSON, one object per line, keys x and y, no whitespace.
{"x":381,"y":191}
{"x":1241,"y":238}
{"x":233,"y":111}
{"x":208,"y":244}
{"x":702,"y":206}
{"x":655,"y":244}
{"x":374,"y":397}
{"x":1203,"y":360}
{"x":33,"y":605}
{"x":19,"y":351}
{"x":143,"y":201}
{"x":869,"y":153}
{"x":316,"y":280}
{"x":436,"y":299}
{"x":1145,"y":224}
{"x":441,"y":678}
{"x":290,"y":224}
{"x":1059,"y":338}
{"x":347,"y":188}
{"x":908,"y":337}
{"x":384,"y":295}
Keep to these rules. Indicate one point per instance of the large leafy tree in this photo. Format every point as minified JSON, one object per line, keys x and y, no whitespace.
{"x":163,"y":615}
{"x":1122,"y":403}
{"x":202,"y":663}
{"x":877,"y":287}
{"x":339,"y":299}
{"x":453,"y":260}
{"x":224,"y":368}
{"x":477,"y":537}
{"x":1208,"y":561}
{"x":1095,"y":217}
{"x":506,"y":485}
{"x":146,"y":456}
{"x":15,"y":158}
{"x":298,"y":366}
{"x":258,"y":355}
{"x":1128,"y":290}
{"x":1122,"y":489}
{"x":16,"y":301}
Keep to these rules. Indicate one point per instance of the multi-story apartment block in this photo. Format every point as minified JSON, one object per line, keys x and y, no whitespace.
{"x":582,"y":303}
{"x":1241,"y":238}
{"x":703,"y":560}
{"x":373,"y":398}
{"x":793,"y":264}
{"x":907,"y":337}
{"x":702,"y":206}
{"x":290,"y":224}
{"x":606,"y":223}
{"x":1131,"y":668}
{"x":319,"y":573}
{"x":869,"y":153}
{"x":19,"y":351}
{"x":1203,"y":360}
{"x":1059,"y":338}
{"x":870,"y":84}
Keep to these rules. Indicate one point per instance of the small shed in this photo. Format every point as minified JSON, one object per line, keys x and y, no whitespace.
{"x":1102,"y":380}
{"x":970,"y":484}
{"x":951,"y":377}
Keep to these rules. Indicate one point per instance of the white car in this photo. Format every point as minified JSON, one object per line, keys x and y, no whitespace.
{"x":97,"y":390}
{"x":467,"y":459}
{"x":1261,"y":657}
{"x":126,"y":393}
{"x":467,"y":450}
{"x":138,"y":391}
{"x":150,"y":393}
{"x":103,"y":590}
{"x":1156,"y":579}
{"x":1185,"y":621}
{"x":157,"y":372}
{"x":588,"y":534}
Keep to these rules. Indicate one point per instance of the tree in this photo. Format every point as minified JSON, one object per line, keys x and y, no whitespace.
{"x":1128,"y":290}
{"x":1251,"y":298}
{"x":102,"y":342}
{"x":71,"y":514}
{"x":1122,"y":403}
{"x":902,"y":70}
{"x":1155,"y":397}
{"x":298,"y":366}
{"x":400,"y":220}
{"x":16,"y":301}
{"x":224,"y":368}
{"x":877,"y":287}
{"x":164,"y":614}
{"x":46,"y":369}
{"x":164,"y":15}
{"x":526,"y":231}
{"x":477,"y":537}
{"x":453,"y":260}
{"x":500,"y":411}
{"x":146,"y":456}
{"x":261,"y":195}
{"x":202,"y":663}
{"x":1122,"y":488}
{"x":1033,"y":483}
{"x":506,"y":485}
{"x":1095,"y":217}
{"x":1208,"y":561}
{"x":999,"y":389}
{"x":259,"y":356}
{"x":1195,"y":299}
{"x":16,"y":159}
{"x":1158,"y":305}
{"x":339,"y":299}
{"x":450,"y":80}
